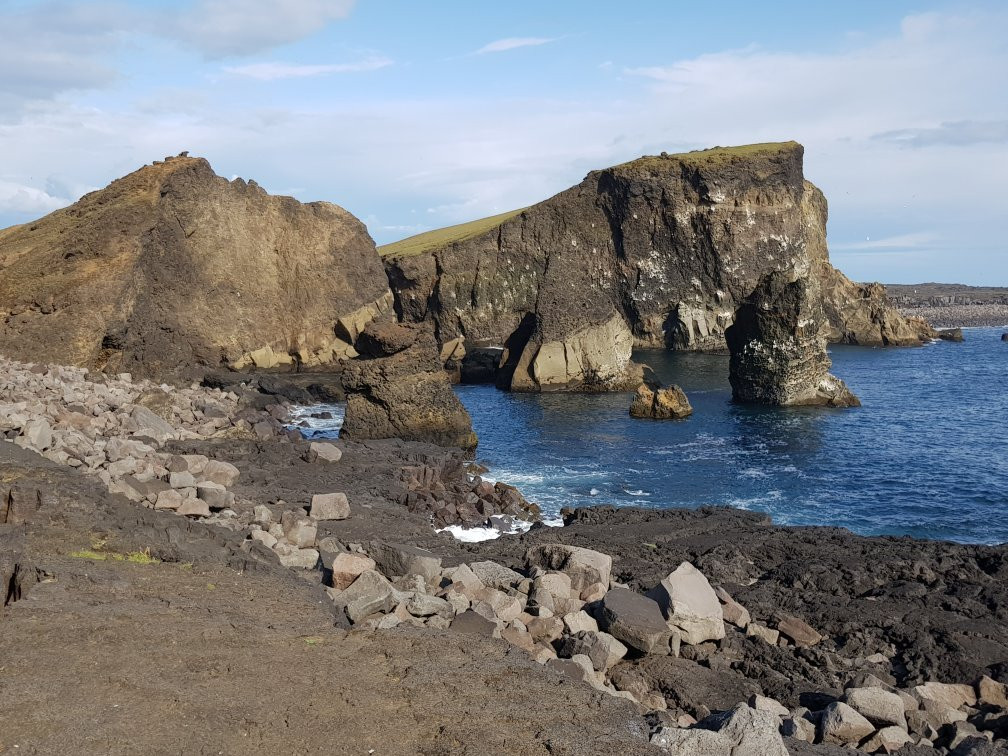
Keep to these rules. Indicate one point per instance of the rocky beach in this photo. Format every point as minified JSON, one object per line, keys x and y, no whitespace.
{"x":184,"y":571}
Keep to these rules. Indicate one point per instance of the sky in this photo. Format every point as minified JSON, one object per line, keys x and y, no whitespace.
{"x":416,"y":115}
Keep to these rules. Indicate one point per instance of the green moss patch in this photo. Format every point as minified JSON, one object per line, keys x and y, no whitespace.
{"x":441,"y":237}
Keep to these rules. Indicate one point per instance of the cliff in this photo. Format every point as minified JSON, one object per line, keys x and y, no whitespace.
{"x":173,"y":269}
{"x":659,"y":251}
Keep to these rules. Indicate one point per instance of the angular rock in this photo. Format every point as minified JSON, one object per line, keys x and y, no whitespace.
{"x":545,"y":629}
{"x":293,"y":557}
{"x":748,"y":730}
{"x":398,"y":559}
{"x":733,"y":611}
{"x":777,"y":347}
{"x":347,"y":567}
{"x":300,"y":531}
{"x":798,"y":728}
{"x":575,"y":622}
{"x":842,"y":724}
{"x":695,"y":742}
{"x":170,"y":499}
{"x":215,"y":495}
{"x":766,"y":634}
{"x":495,"y":575}
{"x":762,"y":703}
{"x":635,"y":620}
{"x":473,"y":623}
{"x":264,"y":538}
{"x":878,"y":706}
{"x":954,"y":696}
{"x":463,"y":576}
{"x":37,"y":435}
{"x":425,"y":605}
{"x":800,"y":632}
{"x":220,"y":472}
{"x":578,"y":668}
{"x":690,"y":605}
{"x":371,"y":592}
{"x":992,"y":692}
{"x":887,"y":740}
{"x":181,"y":480}
{"x":504,"y":607}
{"x":325,"y":451}
{"x":584,"y":566}
{"x":518,"y":637}
{"x":331,"y":506}
{"x":652,"y":401}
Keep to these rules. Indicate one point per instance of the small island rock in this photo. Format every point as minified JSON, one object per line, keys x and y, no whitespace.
{"x":654,"y":401}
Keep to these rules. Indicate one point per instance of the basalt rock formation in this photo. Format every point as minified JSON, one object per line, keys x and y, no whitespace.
{"x":173,"y":269}
{"x":398,"y":389}
{"x":778,"y":353}
{"x":656,"y":402}
{"x":659,"y":251}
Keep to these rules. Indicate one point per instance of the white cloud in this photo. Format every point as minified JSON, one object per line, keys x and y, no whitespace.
{"x":916,"y":240}
{"x":272,"y":71}
{"x":513,"y":43}
{"x":222,"y":28}
{"x":21,"y":199}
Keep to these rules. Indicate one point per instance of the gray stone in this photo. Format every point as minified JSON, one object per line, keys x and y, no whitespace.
{"x":463,"y":576}
{"x":992,"y":692}
{"x":300,"y":531}
{"x":694,"y":742}
{"x":749,"y":731}
{"x":887,"y":740}
{"x":181,"y":480}
{"x":397,"y":559}
{"x":152,"y":425}
{"x":215,"y":495}
{"x":575,"y":622}
{"x":193,"y":508}
{"x":798,"y":728}
{"x":505,"y":606}
{"x":331,"y":506}
{"x":495,"y":575}
{"x":762,"y":703}
{"x":325,"y":451}
{"x":425,"y":605}
{"x":756,"y":630}
{"x":347,"y":567}
{"x":878,"y":706}
{"x":473,"y":623}
{"x":635,"y":620}
{"x":800,"y":632}
{"x":842,"y":724}
{"x":733,"y":611}
{"x":371,"y":592}
{"x":221,"y":472}
{"x":305,"y":559}
{"x":37,"y":435}
{"x":170,"y":499}
{"x":602,"y":648}
{"x":690,"y":605}
{"x":578,"y":668}
{"x":955,"y":696}
{"x":584,"y":566}
{"x":264,"y":538}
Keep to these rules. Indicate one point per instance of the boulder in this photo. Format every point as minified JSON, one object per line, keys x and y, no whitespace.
{"x":842,"y":724}
{"x":425,"y":605}
{"x":800,"y":632}
{"x":37,"y":435}
{"x":405,"y":395}
{"x":325,"y":451}
{"x":347,"y":567}
{"x":193,"y":508}
{"x":504,"y":606}
{"x":777,"y":348}
{"x":575,"y":622}
{"x":300,"y":531}
{"x":294,"y":557}
{"x":690,"y":605}
{"x":578,"y":668}
{"x":215,"y":495}
{"x":954,"y":696}
{"x":464,"y":577}
{"x":950,"y":334}
{"x":992,"y":692}
{"x":764,"y":633}
{"x":878,"y":706}
{"x":398,"y":559}
{"x":748,"y":730}
{"x":798,"y":728}
{"x":602,"y":648}
{"x":220,"y":472}
{"x":887,"y":740}
{"x":545,"y":629}
{"x":695,"y":742}
{"x":495,"y":575}
{"x":474,"y":624}
{"x":733,"y":611}
{"x":655,"y":402}
{"x":331,"y":506}
{"x":371,"y":592}
{"x":762,"y":703}
{"x":584,"y":566}
{"x":635,"y":620}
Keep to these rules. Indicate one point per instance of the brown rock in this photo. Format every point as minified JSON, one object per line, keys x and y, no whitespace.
{"x":658,"y":403}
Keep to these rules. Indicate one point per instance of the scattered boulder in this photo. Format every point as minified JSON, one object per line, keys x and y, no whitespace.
{"x":371,"y":592}
{"x":992,"y":692}
{"x":950,"y":334}
{"x":887,"y":740}
{"x":749,"y":731}
{"x":495,"y":575}
{"x":777,"y":348}
{"x":733,"y":611}
{"x":221,"y":472}
{"x":475,"y":624}
{"x":800,"y":632}
{"x":764,"y":633}
{"x":842,"y":724}
{"x":690,"y":605}
{"x":584,"y":566}
{"x":656,"y":402}
{"x":635,"y":620}
{"x":331,"y":506}
{"x":398,"y":559}
{"x":954,"y":696}
{"x":878,"y":706}
{"x":325,"y":451}
{"x":695,"y":742}
{"x":347,"y":567}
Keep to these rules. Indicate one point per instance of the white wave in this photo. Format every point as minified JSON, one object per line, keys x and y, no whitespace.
{"x":471,"y":535}
{"x":635,"y":492}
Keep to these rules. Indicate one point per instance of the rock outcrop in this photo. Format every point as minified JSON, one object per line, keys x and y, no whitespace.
{"x":173,"y":269}
{"x":657,"y":402}
{"x":778,"y":354}
{"x":659,"y":251}
{"x":398,"y":389}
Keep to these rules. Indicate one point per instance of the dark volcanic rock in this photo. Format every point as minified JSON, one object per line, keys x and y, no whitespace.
{"x":658,"y":251}
{"x":652,"y":400}
{"x":950,"y":334}
{"x":172,"y":270}
{"x":404,"y":394}
{"x":778,"y":354}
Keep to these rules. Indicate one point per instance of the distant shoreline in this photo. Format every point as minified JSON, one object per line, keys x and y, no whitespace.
{"x":958,"y":316}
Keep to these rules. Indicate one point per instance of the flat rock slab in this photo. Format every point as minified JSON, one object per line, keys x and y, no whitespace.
{"x":399,"y":559}
{"x":635,"y":620}
{"x":330,"y":506}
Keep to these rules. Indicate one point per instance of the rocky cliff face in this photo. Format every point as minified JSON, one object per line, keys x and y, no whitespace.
{"x":660,"y":251}
{"x":778,"y":351}
{"x":173,"y":269}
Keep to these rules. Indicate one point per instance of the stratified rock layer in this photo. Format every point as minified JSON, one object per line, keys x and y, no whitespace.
{"x":398,"y":389}
{"x":173,"y":268}
{"x":778,"y":353}
{"x":670,"y":245}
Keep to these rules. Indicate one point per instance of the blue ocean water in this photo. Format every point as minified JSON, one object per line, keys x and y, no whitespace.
{"x":926,"y":455}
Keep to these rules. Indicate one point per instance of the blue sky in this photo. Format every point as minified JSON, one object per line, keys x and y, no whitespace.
{"x":418,"y":115}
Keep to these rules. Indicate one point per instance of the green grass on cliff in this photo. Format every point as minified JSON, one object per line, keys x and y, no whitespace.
{"x":716,"y":155}
{"x":425,"y":242}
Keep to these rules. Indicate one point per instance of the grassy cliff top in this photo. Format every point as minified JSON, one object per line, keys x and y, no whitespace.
{"x":429,"y":240}
{"x":718,"y":155}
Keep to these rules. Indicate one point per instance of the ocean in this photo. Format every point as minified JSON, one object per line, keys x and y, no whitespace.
{"x":926,"y":455}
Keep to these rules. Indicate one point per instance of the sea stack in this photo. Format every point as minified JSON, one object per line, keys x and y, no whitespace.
{"x":657,"y":402}
{"x":778,"y":352}
{"x":399,"y":389}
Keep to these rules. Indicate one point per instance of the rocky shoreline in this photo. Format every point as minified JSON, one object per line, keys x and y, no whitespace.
{"x":672,"y":631}
{"x":961,"y":315}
